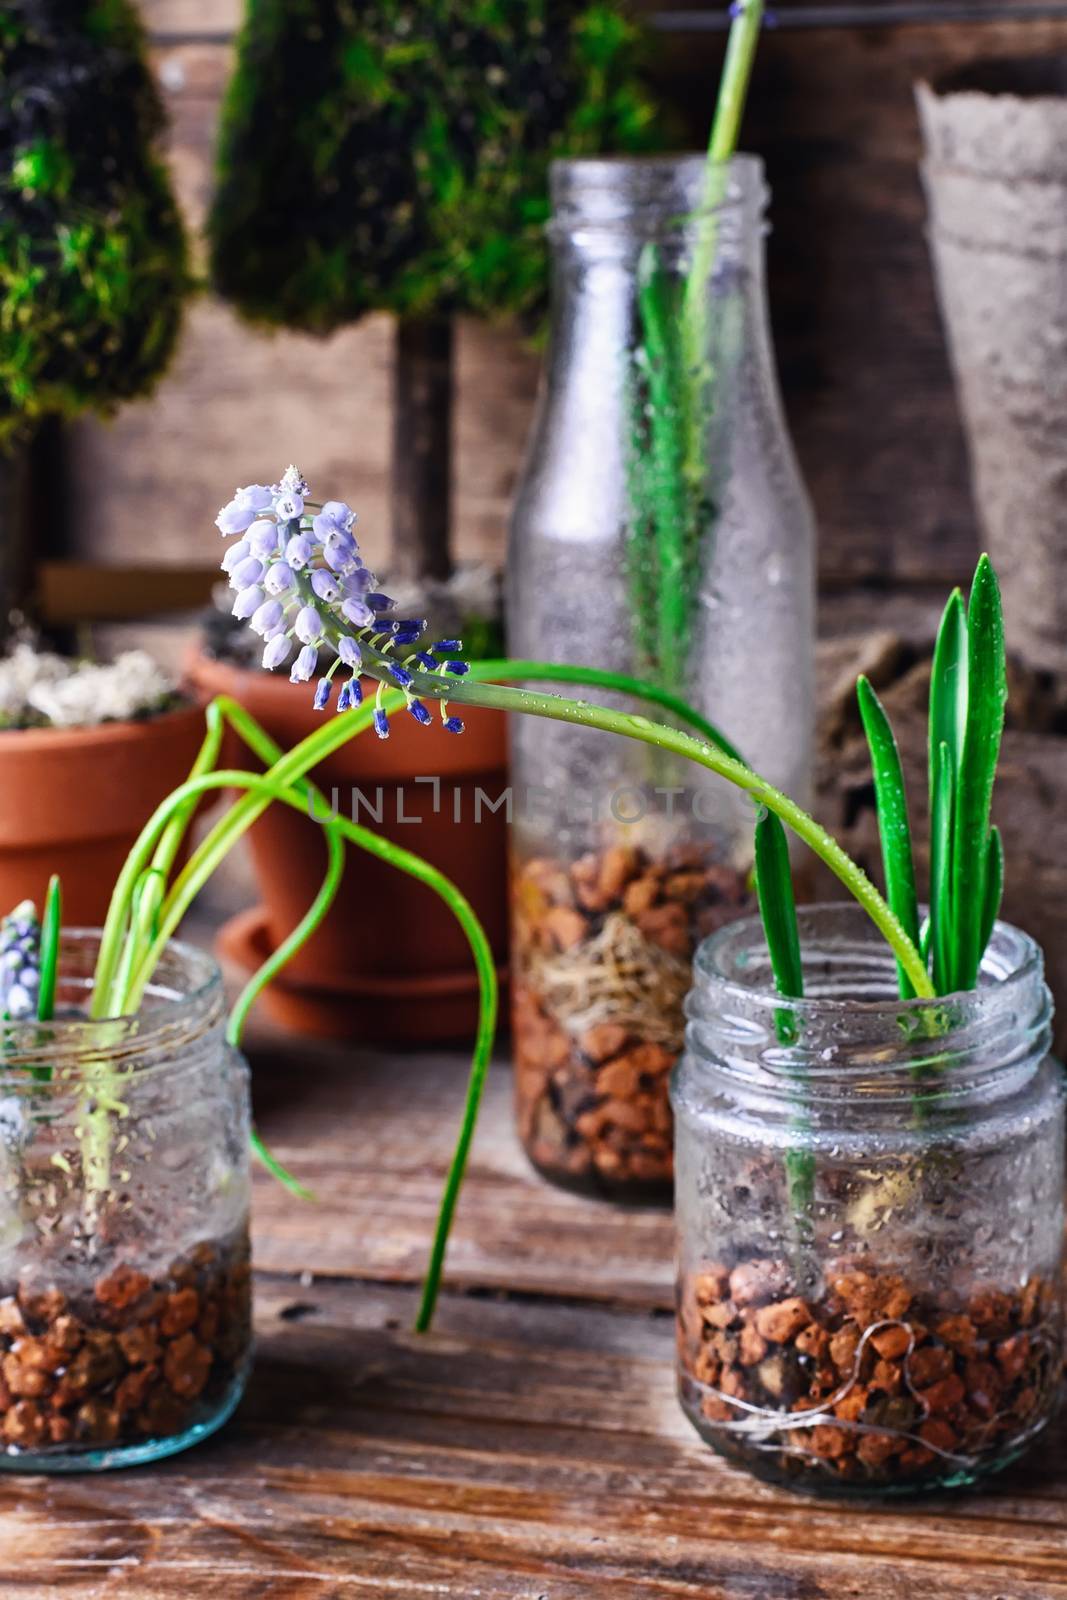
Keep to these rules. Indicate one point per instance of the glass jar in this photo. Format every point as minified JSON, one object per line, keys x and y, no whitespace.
{"x":624,"y":858}
{"x":870,"y":1208}
{"x":125,"y":1325}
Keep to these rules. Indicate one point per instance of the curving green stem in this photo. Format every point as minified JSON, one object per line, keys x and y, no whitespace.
{"x":320,"y":744}
{"x":270,"y":790}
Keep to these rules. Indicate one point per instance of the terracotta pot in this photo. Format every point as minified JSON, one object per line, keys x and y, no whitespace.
{"x":73,"y":800}
{"x":390,"y":962}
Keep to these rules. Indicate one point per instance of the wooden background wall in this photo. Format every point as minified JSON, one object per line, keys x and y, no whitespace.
{"x":859,"y":342}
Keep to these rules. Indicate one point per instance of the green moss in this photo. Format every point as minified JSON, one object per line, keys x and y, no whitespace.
{"x":92,"y":252}
{"x":393,"y":155}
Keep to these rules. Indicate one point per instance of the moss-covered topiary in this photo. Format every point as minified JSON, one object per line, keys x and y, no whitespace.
{"x":93,"y":263}
{"x":392,"y":154}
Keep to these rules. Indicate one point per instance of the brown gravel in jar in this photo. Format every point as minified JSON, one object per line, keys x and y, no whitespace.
{"x":894,"y":1386}
{"x":133,"y":1359}
{"x":602,"y":956}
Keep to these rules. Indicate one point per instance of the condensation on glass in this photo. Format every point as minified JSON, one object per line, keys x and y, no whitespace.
{"x":125,"y":1320}
{"x":623,"y":857}
{"x":870,"y":1213}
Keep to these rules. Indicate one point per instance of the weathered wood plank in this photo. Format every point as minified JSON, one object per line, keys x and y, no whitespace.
{"x":372,"y":1137}
{"x":519,"y":1451}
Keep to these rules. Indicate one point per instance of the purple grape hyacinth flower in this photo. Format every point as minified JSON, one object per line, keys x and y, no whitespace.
{"x":248,"y":603}
{"x":268,"y":619}
{"x":297,"y":572}
{"x":20,"y":963}
{"x":279,"y":579}
{"x":299,"y":551}
{"x":276,"y":652}
{"x":304,"y":665}
{"x":308,"y":627}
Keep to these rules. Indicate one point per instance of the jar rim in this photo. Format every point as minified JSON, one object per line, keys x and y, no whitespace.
{"x":183,"y":1001}
{"x":621,"y":194}
{"x":1012,"y":961}
{"x":871,"y":1045}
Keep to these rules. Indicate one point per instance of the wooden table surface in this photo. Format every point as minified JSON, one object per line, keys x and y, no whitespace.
{"x":529,"y":1447}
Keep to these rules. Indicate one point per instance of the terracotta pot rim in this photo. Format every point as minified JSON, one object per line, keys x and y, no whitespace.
{"x":243,"y":940}
{"x":117,"y":732}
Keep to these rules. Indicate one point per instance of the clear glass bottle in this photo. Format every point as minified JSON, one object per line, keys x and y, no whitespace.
{"x":125,"y":1298}
{"x":623,"y":858}
{"x":870,"y":1210}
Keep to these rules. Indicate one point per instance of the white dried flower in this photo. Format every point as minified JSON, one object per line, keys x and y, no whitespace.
{"x":40,"y":689}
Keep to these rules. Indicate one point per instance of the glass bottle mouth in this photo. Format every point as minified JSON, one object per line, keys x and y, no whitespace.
{"x":651,"y":196}
{"x":183,"y":1004}
{"x":852,"y":1035}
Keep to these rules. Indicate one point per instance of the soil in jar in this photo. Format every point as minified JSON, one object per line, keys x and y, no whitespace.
{"x":134,"y":1359}
{"x":603,"y":948}
{"x":876,"y":1386}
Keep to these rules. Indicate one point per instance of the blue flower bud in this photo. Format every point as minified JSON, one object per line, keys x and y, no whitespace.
{"x":276,"y":652}
{"x":447,"y":644}
{"x":299,"y":551}
{"x":344,"y":699}
{"x":267,"y":619}
{"x":322,"y":694}
{"x":279,"y":579}
{"x":452,"y":725}
{"x":236,"y":553}
{"x":248,"y":602}
{"x":304,"y":665}
{"x":380,"y":602}
{"x":325,"y":586}
{"x":400,"y":675}
{"x":408,"y":631}
{"x":381,"y":724}
{"x":308,"y":626}
{"x":419,"y":712}
{"x":349,"y":651}
{"x":264,"y":539}
{"x":458,"y":669}
{"x":355,"y":692}
{"x":426,"y":661}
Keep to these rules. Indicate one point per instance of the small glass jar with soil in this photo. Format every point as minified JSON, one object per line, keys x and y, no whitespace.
{"x":870,"y":1208}
{"x":125,"y":1295}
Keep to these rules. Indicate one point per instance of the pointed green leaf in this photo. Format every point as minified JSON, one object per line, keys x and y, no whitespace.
{"x":948,"y":725}
{"x":51,"y":929}
{"x":948,"y":686}
{"x":774,"y":887}
{"x":941,"y":842}
{"x":986,"y":700}
{"x":994,"y":888}
{"x":893,"y":826}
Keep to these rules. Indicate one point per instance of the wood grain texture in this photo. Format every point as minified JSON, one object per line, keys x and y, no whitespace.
{"x":519,"y":1451}
{"x":378,"y":1195}
{"x":530,"y":1448}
